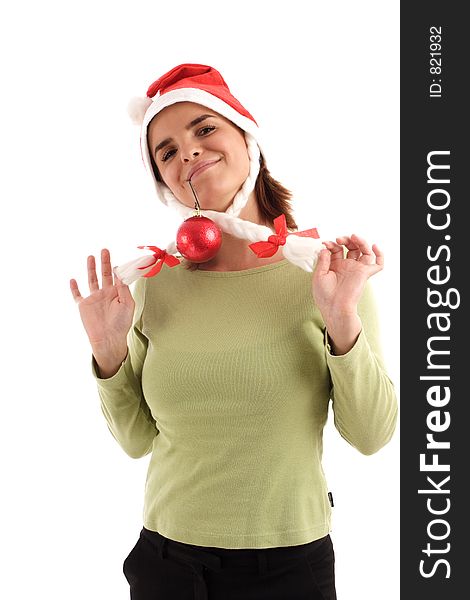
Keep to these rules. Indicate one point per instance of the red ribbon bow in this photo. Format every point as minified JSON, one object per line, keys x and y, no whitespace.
{"x":159,"y":257}
{"x":269,"y":248}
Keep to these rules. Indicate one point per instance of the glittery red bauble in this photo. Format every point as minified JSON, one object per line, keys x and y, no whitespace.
{"x":198,"y":239}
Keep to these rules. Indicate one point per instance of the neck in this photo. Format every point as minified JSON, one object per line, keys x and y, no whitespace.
{"x":234,"y":253}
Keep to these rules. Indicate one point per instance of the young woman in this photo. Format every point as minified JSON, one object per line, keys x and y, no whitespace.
{"x":224,"y":369}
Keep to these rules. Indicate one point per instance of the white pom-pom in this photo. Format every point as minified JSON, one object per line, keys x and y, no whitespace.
{"x":137,"y":108}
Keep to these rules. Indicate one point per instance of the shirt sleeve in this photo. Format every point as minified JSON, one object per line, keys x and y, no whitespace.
{"x":365,"y":406}
{"x":123,"y":403}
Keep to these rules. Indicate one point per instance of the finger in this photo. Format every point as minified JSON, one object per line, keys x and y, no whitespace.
{"x":92,"y":279}
{"x":345,"y":240}
{"x":353,"y":249}
{"x":368,"y":257}
{"x":379,"y":255}
{"x":75,"y":291}
{"x":323,"y":263}
{"x":335,"y":249}
{"x":118,"y":281}
{"x":106,"y":271}
{"x":361,"y":244}
{"x":123,"y":290}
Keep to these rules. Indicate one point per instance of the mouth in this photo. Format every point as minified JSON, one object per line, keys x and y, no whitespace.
{"x":195,"y":171}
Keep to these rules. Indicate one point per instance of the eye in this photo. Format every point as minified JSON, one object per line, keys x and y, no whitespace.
{"x":206,"y":129}
{"x":167,"y":154}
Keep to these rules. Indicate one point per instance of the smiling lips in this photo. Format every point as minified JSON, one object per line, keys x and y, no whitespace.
{"x":199,"y":168}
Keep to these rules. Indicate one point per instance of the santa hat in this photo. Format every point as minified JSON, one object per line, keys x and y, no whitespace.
{"x":204,"y":85}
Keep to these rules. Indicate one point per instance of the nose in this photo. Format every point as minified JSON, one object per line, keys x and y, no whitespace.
{"x":190,"y":149}
{"x":188,"y":156}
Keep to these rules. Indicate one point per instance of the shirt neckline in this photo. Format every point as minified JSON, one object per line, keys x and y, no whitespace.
{"x":244,"y":272}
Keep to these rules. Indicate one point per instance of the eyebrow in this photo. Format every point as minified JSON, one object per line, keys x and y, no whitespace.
{"x":188,"y":126}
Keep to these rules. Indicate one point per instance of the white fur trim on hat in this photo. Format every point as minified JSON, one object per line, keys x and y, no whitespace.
{"x":204,"y":98}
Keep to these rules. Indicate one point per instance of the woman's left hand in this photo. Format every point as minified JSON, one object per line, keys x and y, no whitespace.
{"x":338,"y":282}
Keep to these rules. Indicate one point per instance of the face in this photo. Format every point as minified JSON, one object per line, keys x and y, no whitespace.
{"x":187,"y":140}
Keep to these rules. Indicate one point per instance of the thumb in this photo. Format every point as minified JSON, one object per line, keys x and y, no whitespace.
{"x":323,"y":263}
{"x":123,"y":290}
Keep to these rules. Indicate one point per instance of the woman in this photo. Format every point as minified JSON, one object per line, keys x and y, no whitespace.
{"x":224,"y":369}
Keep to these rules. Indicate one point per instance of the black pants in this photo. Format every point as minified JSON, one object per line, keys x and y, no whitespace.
{"x":161,"y":569}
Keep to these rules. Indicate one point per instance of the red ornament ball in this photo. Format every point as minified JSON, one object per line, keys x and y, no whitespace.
{"x":198,"y":239}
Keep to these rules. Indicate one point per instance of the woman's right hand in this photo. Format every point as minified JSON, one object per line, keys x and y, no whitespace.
{"x":107,"y":313}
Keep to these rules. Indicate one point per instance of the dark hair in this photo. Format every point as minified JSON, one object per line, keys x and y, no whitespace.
{"x":272,"y":197}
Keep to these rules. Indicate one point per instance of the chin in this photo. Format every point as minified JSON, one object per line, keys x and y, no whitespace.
{"x":213,"y":199}
{"x":215,"y":206}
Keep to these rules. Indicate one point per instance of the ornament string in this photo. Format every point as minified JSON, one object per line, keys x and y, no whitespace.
{"x":197,"y":206}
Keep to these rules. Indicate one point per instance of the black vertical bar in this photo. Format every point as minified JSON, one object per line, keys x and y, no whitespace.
{"x":435,"y":260}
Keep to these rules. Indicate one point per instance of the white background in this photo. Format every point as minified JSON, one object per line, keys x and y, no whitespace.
{"x":322,"y":80}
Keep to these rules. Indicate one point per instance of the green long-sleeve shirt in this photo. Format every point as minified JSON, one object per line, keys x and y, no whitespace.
{"x":227,"y":383}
